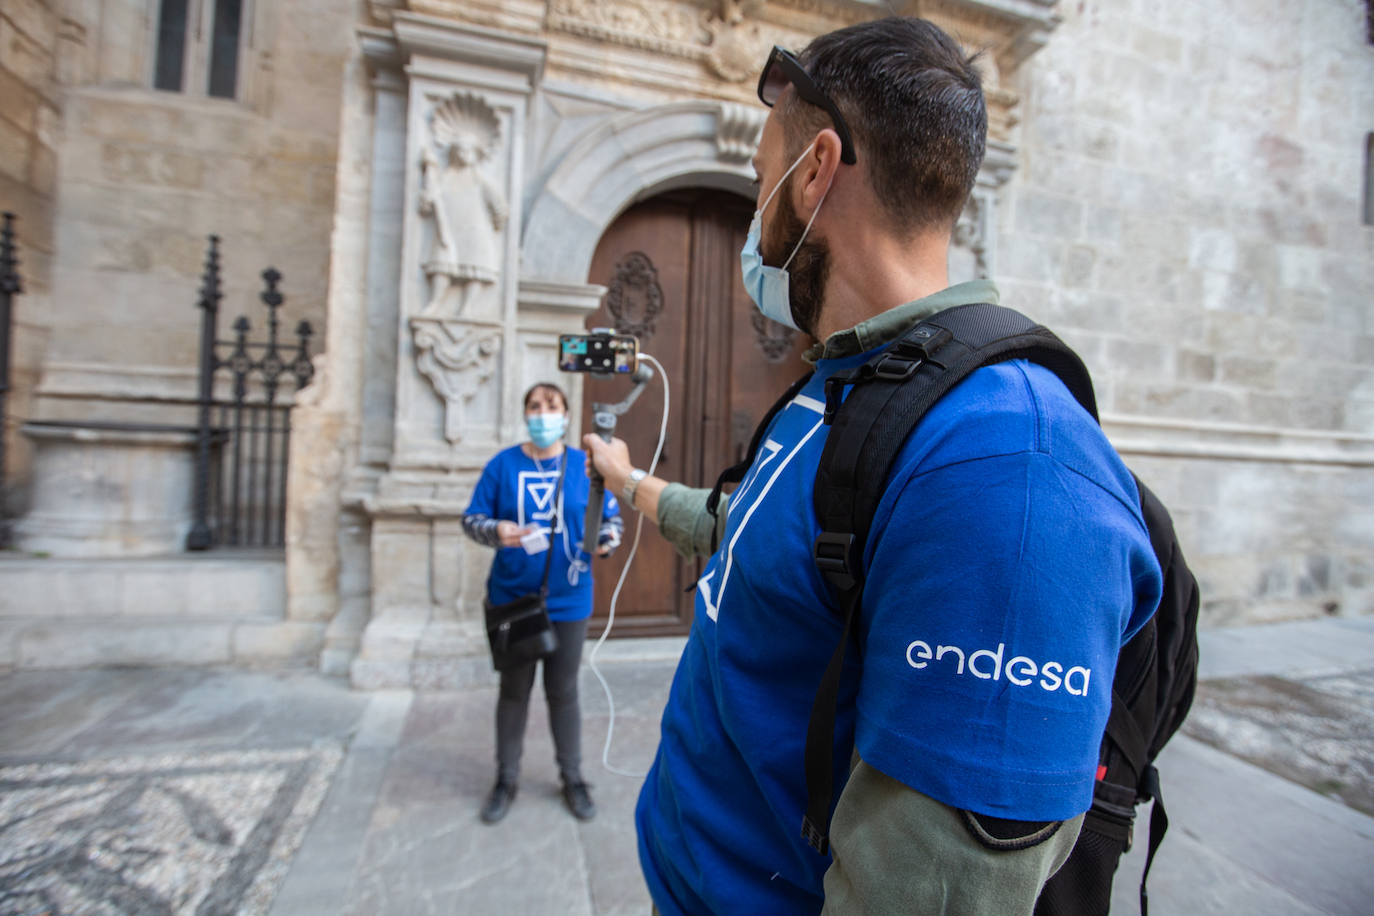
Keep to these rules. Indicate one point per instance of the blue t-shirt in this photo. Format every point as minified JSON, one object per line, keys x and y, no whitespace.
{"x":1007,"y":564}
{"x":515,"y":487}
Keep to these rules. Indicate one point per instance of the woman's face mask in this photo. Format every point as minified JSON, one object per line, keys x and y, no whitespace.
{"x":546,"y":428}
{"x":770,"y":287}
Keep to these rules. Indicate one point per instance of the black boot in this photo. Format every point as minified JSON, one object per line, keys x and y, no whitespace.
{"x":498,"y":802}
{"x":579,"y":799}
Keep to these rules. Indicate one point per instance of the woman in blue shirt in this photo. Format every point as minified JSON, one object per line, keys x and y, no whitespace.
{"x":519,"y":508}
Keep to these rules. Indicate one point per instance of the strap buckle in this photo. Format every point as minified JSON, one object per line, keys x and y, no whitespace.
{"x":834,"y":554}
{"x":834,"y":393}
{"x":907,"y":355}
{"x":815,"y":836}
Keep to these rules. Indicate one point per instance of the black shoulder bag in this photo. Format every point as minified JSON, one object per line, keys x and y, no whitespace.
{"x":520,"y":631}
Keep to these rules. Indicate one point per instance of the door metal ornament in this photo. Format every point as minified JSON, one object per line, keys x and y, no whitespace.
{"x":634,"y":297}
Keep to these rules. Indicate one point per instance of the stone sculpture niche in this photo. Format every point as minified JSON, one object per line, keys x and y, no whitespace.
{"x":468,"y":210}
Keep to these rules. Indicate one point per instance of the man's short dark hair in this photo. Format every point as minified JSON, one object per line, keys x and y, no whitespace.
{"x":914,"y":102}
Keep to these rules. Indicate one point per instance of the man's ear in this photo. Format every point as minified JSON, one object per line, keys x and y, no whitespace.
{"x":818,"y":171}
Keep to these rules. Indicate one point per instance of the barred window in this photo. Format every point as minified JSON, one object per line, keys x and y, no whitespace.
{"x":199,"y":45}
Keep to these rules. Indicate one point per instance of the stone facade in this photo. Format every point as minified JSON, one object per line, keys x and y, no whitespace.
{"x":1188,"y":213}
{"x":1176,"y":187}
{"x":117,"y":186}
{"x":147,"y":175}
{"x":521,"y":130}
{"x":32,"y":34}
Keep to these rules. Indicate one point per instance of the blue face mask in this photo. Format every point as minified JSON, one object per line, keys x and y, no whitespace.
{"x":546,"y":428}
{"x":770,"y":287}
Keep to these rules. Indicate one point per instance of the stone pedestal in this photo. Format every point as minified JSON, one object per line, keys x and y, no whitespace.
{"x":105,"y":492}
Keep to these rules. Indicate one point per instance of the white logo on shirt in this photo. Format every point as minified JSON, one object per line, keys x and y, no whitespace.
{"x":1020,"y":670}
{"x":536,"y":497}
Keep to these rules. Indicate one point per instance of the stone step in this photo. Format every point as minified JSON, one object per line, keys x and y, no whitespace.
{"x":190,"y":585}
{"x":86,"y":642}
{"x":192,"y":609}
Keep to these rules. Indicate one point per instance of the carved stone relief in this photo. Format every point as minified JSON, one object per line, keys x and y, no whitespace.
{"x":634,"y":297}
{"x":467,"y":209}
{"x":728,"y":37}
{"x":737,"y":131}
{"x":674,"y":28}
{"x":458,"y":360}
{"x":972,"y":246}
{"x":774,"y":340}
{"x":737,"y":47}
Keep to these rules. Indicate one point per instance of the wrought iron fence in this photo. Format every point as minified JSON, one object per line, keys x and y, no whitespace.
{"x":243,"y":442}
{"x":10,"y":286}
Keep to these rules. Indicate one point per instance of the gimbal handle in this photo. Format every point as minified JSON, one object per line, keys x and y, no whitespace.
{"x":603,"y":424}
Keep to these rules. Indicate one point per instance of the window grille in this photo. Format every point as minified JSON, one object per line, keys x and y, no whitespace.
{"x":199,"y":46}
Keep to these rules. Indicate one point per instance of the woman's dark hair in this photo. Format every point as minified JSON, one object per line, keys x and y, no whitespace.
{"x":549,"y":386}
{"x":914,"y":102}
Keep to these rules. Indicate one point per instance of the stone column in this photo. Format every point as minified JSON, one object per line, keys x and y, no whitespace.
{"x":457,"y":365}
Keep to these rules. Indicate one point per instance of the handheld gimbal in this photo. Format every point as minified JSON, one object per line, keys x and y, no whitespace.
{"x":603,"y":353}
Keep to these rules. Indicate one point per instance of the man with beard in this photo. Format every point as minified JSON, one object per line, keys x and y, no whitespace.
{"x":1006,"y":564}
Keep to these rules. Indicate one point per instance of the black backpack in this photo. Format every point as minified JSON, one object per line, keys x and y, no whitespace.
{"x":1156,"y":671}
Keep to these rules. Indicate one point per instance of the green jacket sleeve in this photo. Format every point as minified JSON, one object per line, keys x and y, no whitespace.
{"x":684,"y":521}
{"x":898,"y":851}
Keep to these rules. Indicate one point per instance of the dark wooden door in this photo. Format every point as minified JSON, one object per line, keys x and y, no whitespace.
{"x":671,"y":268}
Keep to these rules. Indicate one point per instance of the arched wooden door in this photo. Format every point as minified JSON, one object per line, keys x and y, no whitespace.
{"x":671,"y":268}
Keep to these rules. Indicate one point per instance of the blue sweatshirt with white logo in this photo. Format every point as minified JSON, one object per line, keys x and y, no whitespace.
{"x":515,"y":487}
{"x":1007,"y":564}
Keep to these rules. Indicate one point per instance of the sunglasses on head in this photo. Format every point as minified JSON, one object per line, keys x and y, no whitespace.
{"x":782,"y":70}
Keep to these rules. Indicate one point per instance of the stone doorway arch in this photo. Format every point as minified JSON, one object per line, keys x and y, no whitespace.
{"x":628,"y":158}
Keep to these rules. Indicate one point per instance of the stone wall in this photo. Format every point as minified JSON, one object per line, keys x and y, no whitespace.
{"x":146,"y":175}
{"x":30,"y":33}
{"x":1187,"y":212}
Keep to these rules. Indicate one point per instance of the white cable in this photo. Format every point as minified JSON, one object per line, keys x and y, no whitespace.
{"x":624,"y":573}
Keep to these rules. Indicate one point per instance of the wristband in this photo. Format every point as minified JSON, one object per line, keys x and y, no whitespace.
{"x":627,"y":492}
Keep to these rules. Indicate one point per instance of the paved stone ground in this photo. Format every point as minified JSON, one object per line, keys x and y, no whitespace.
{"x":1317,"y":732}
{"x":157,"y":791}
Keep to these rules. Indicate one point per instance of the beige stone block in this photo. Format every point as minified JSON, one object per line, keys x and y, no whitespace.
{"x":456,"y":673}
{"x":10,"y":633}
{"x":395,"y":632}
{"x":1249,"y":372}
{"x":400,"y":563}
{"x":14,"y":153}
{"x":37,"y":20}
{"x":42,"y":588}
{"x":43,"y":170}
{"x":280,"y":180}
{"x":150,"y":165}
{"x":297,"y":642}
{"x":18,"y":104}
{"x":157,"y":592}
{"x":321,"y":192}
{"x":444,"y":639}
{"x":87,"y":643}
{"x":25,"y":57}
{"x":372,"y":674}
{"x":243,"y":590}
{"x":447,"y":566}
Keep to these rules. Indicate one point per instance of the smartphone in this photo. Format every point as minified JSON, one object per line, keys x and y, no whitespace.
{"x":599,"y":352}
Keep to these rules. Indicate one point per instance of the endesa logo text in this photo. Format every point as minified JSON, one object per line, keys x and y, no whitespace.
{"x":986,"y":664}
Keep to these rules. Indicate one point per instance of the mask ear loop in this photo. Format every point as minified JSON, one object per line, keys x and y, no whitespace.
{"x":774,"y":193}
{"x":814,"y":213}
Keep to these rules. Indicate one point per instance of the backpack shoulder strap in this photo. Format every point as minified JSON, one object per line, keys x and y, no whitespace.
{"x":887,"y":397}
{"x":735,"y":472}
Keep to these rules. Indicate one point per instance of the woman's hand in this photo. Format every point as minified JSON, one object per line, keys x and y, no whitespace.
{"x":510,"y":533}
